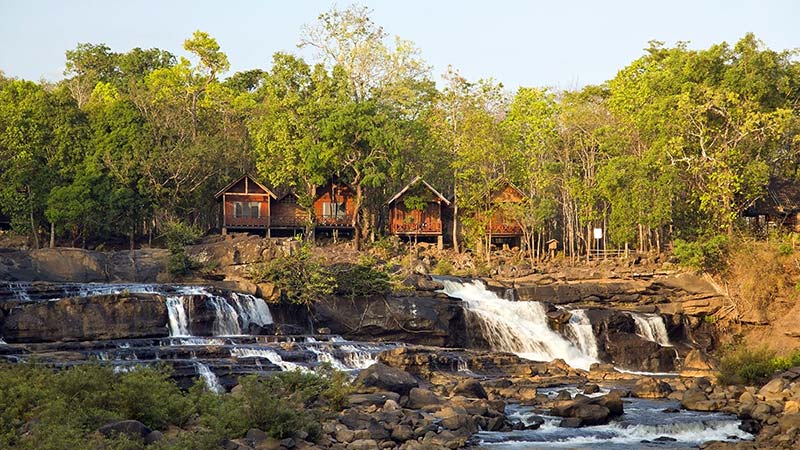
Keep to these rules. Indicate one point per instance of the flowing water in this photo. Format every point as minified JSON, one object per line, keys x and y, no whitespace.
{"x":644,"y":425}
{"x":521,"y":327}
{"x":652,"y":328}
{"x":581,"y":333}
{"x":208,"y":376}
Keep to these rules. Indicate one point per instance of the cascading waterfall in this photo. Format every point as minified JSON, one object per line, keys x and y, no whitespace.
{"x":268,"y":354}
{"x":652,"y":328}
{"x":327,"y":357}
{"x":518,"y":327}
{"x":582,"y":334}
{"x":178,"y":322}
{"x":232,"y":315}
{"x":356,"y":358}
{"x":209,"y":377}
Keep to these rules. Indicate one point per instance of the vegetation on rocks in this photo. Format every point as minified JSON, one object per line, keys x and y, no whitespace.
{"x":741,"y":365}
{"x":303,"y":279}
{"x":43,"y":409}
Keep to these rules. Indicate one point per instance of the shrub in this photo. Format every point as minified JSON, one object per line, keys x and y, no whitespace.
{"x":443,"y":267}
{"x":177,"y":236}
{"x":299,"y":277}
{"x":704,"y":254}
{"x":741,"y":365}
{"x":360,"y":280}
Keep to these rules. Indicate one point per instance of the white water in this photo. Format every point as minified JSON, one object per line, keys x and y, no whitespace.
{"x":232,"y":316}
{"x":356,"y":358}
{"x":327,"y":357}
{"x":268,"y":354}
{"x":518,"y":327}
{"x":20,"y":291}
{"x":178,"y":322}
{"x":2,"y":342}
{"x":652,"y":328}
{"x":580,"y":329}
{"x":209,"y":377}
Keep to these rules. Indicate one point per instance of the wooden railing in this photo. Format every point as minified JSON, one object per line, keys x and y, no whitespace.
{"x":341,"y":221}
{"x":410,"y":228}
{"x":248,"y":222}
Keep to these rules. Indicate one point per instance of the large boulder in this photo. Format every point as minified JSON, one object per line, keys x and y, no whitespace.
{"x":588,"y":411}
{"x":387,"y":378}
{"x":131,"y":429}
{"x":470,"y":388}
{"x":650,"y":387}
{"x":415,"y":320}
{"x":87,"y":319}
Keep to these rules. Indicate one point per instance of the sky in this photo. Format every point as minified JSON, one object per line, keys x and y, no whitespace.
{"x":558,"y":44}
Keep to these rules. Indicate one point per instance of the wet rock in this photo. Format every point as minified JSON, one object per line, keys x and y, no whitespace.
{"x":377,"y":398}
{"x":381,"y":376}
{"x":570,"y":422}
{"x":363,"y":444}
{"x":563,"y":395}
{"x":591,"y":389}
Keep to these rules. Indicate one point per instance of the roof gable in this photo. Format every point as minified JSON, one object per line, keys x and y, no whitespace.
{"x":248,"y":185}
{"x":416,"y":180}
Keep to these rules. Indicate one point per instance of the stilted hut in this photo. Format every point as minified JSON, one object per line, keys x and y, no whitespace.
{"x":287,"y":216}
{"x":780,"y":206}
{"x":501,"y":224}
{"x":416,"y":211}
{"x":245,"y":205}
{"x":334,"y":207}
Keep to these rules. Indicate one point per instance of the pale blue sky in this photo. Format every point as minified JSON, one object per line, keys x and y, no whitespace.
{"x":561,"y":44}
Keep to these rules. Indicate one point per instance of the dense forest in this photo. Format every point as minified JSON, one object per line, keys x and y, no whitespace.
{"x":677,"y":145}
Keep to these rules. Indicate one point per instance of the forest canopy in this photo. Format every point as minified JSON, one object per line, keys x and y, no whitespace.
{"x":677,"y":145}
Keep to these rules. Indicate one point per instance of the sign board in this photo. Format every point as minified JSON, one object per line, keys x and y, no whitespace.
{"x":598,"y":233}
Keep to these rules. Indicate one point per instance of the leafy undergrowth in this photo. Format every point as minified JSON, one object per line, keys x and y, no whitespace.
{"x":48,"y":410}
{"x":748,"y":366}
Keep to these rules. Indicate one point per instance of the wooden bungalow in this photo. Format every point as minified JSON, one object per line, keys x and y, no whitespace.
{"x":245,"y":205}
{"x":500,"y":225}
{"x":287,"y":216}
{"x":416,"y":211}
{"x":780,"y":206}
{"x":334,"y":207}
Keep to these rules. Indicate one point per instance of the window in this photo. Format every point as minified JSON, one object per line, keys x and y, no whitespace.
{"x":333,"y":210}
{"x":244,"y":210}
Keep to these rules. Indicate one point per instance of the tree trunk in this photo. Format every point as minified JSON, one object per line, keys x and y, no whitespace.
{"x":52,"y":236}
{"x":455,"y":222}
{"x":34,"y":231}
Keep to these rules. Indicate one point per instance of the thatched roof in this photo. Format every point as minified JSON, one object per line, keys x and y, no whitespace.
{"x":782,"y":198}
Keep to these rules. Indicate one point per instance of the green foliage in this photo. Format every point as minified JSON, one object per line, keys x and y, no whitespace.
{"x":303,"y":280}
{"x":443,"y":267}
{"x":742,"y":365}
{"x":363,"y":279}
{"x":177,"y":236}
{"x":43,"y":409}
{"x":706,"y":254}
{"x":299,"y":277}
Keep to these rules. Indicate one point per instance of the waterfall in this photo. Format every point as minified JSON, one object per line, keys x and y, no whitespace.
{"x":209,"y":377}
{"x":232,"y":316}
{"x":2,"y":342}
{"x":268,"y":354}
{"x":518,"y":327}
{"x":652,"y":328}
{"x":356,"y":358}
{"x":327,"y":357}
{"x":178,"y":322}
{"x":582,"y":334}
{"x":20,"y":291}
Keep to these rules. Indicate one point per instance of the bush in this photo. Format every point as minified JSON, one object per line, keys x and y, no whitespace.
{"x":177,"y":236}
{"x":704,"y":254}
{"x":43,"y":409}
{"x":443,"y":267}
{"x":741,"y":365}
{"x":303,"y":280}
{"x":300,"y":278}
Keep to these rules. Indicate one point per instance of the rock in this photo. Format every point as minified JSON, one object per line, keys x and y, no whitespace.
{"x":750,"y":426}
{"x":132,"y":429}
{"x":591,"y":389}
{"x":377,"y":399}
{"x":592,"y":414}
{"x":459,"y":422}
{"x":651,"y":388}
{"x":402,"y":433}
{"x":775,"y":386}
{"x":563,"y":395}
{"x":696,"y":361}
{"x":288,"y":443}
{"x":470,"y":388}
{"x":414,"y":320}
{"x":344,"y":435}
{"x":419,"y":398}
{"x":789,"y":421}
{"x":570,"y":422}
{"x":665,"y":439}
{"x":363,"y":444}
{"x":153,"y":437}
{"x":381,"y":376}
{"x":123,"y":316}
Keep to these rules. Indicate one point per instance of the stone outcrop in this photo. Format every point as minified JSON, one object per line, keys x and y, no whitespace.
{"x":415,"y":320}
{"x":85,"y":318}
